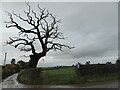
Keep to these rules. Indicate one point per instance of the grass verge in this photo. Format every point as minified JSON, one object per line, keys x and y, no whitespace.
{"x":30,"y":76}
{"x":61,"y":76}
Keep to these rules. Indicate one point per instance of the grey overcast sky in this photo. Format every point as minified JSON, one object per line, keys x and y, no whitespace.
{"x":91,"y":27}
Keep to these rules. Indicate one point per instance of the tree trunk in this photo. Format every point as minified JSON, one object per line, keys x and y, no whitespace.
{"x":33,"y":61}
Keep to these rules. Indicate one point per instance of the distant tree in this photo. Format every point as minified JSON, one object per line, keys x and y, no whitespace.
{"x":73,"y":65}
{"x":22,"y":64}
{"x":13,"y":61}
{"x":118,"y":61}
{"x":87,"y":63}
{"x":108,"y":63}
{"x":43,"y":28}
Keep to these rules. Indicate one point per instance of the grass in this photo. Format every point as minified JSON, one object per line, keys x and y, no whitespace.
{"x":61,"y":76}
{"x":30,"y":76}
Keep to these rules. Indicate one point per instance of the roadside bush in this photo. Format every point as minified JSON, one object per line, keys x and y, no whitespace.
{"x":9,"y":69}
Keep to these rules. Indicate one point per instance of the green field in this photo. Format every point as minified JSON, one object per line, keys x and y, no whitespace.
{"x":56,"y":76}
{"x":61,"y":76}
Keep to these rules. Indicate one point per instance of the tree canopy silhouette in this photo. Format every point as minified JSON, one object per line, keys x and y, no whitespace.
{"x":44,"y":27}
{"x":13,"y":61}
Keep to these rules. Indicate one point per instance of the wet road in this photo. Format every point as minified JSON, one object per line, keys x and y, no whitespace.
{"x":11,"y":82}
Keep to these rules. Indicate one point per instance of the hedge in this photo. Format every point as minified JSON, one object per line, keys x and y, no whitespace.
{"x":9,"y":69}
{"x":97,"y":69}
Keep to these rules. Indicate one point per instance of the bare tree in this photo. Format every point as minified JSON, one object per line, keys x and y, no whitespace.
{"x":44,"y":27}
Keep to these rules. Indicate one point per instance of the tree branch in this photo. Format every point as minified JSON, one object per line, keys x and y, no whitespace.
{"x":14,"y":24}
{"x":43,"y":25}
{"x":57,"y":46}
{"x":24,"y":42}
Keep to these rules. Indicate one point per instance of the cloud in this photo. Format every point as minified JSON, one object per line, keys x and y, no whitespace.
{"x":91,"y":27}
